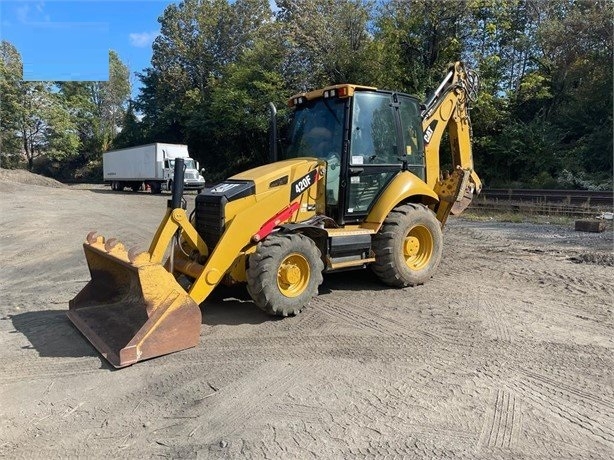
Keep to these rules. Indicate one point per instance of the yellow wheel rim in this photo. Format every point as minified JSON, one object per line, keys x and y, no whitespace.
{"x":293,"y":275}
{"x":418,"y":247}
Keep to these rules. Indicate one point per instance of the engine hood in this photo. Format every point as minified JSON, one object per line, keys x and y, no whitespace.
{"x":276,"y":174}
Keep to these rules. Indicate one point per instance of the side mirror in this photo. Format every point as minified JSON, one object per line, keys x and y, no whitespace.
{"x":202,"y":171}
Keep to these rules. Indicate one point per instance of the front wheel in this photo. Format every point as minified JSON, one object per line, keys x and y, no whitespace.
{"x":284,"y":273}
{"x":408,"y":246}
{"x":155,"y":188}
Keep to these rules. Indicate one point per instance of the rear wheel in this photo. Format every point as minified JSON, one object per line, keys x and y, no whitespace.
{"x":155,"y":187}
{"x":408,"y":246}
{"x":284,"y":273}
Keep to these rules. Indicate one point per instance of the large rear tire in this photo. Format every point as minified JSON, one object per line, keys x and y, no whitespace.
{"x":284,"y":273}
{"x":155,"y":188}
{"x":408,"y":247}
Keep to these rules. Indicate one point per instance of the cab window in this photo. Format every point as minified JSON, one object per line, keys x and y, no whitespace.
{"x":411,"y":123}
{"x":374,"y":135}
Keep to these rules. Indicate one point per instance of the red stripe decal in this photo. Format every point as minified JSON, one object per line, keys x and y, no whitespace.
{"x":273,"y":222}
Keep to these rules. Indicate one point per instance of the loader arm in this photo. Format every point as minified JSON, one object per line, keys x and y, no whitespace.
{"x":240,"y":234}
{"x":174,"y":220}
{"x":447,"y":110}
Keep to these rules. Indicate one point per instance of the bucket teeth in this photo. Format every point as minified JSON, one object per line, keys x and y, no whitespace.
{"x":116,"y":249}
{"x":92,"y":237}
{"x":111,"y":244}
{"x":137,"y":257}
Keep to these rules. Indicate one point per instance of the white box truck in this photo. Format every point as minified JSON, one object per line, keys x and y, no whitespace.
{"x":150,"y":165}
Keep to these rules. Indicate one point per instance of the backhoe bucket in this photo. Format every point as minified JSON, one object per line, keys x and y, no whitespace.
{"x":132,"y":309}
{"x":463,"y":203}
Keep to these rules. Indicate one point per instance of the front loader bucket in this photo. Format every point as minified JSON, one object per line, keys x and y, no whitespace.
{"x":132,"y":309}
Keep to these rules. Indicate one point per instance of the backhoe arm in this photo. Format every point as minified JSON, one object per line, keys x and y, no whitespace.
{"x":448,"y":110}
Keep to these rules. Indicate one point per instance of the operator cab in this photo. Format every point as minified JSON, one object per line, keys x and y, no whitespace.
{"x":366,"y":137}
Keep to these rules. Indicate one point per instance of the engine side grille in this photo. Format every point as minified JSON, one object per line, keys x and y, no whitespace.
{"x":211,"y":206}
{"x":210,"y":218}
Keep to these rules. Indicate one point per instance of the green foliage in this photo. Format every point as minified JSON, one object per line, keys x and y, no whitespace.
{"x":131,"y":130}
{"x":98,"y":108}
{"x":11,"y":71}
{"x":420,"y":37}
{"x":327,"y":42}
{"x":237,"y":114}
{"x":55,"y":127}
{"x":34,"y":120}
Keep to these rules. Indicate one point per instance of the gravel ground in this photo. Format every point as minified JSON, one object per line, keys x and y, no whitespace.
{"x":505,"y":353}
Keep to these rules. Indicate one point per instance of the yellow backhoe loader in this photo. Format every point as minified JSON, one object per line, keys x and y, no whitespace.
{"x":359,"y":185}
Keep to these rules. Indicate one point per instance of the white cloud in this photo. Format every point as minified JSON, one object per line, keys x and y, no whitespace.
{"x":143,"y":39}
{"x":27,"y":15}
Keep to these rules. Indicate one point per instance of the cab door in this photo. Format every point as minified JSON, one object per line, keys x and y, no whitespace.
{"x":373,"y":158}
{"x":385,"y":135}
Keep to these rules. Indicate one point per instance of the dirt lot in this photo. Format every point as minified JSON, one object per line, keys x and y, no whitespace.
{"x":505,"y":353}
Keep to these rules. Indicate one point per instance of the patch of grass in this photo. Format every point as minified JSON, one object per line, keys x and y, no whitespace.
{"x":478,"y":215}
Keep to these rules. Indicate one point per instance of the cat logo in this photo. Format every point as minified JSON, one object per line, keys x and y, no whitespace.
{"x":430,"y":130}
{"x":223,"y":188}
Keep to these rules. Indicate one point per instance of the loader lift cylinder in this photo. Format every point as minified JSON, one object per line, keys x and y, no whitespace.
{"x":177,"y":195}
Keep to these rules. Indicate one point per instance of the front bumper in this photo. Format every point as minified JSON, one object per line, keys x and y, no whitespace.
{"x":193,"y":184}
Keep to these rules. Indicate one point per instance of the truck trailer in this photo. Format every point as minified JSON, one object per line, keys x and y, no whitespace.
{"x":150,"y":165}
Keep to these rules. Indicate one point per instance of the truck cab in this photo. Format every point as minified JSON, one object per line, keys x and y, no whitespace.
{"x":193,"y":179}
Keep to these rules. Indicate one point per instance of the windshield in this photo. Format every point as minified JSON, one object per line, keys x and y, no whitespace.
{"x":189,"y":163}
{"x":316,"y":130}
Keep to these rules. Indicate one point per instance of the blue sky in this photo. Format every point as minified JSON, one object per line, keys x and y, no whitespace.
{"x":70,"y":40}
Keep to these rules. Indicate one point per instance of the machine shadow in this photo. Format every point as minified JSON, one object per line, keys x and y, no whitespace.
{"x":232,"y":306}
{"x":351,"y":280}
{"x":52,"y":335}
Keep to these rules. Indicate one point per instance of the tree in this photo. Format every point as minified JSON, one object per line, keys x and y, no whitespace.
{"x":577,"y":42}
{"x":33,"y":115}
{"x":98,"y":107}
{"x":199,"y":41}
{"x":545,"y":67}
{"x":11,"y":72}
{"x":327,"y":42}
{"x":131,"y":130}
{"x":420,"y":37}
{"x":237,"y":117}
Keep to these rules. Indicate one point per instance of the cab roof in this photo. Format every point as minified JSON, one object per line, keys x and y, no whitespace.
{"x":341,"y":90}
